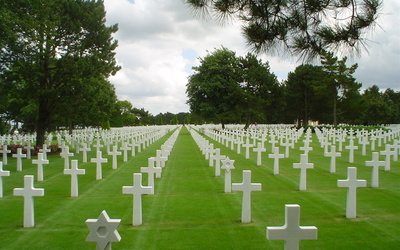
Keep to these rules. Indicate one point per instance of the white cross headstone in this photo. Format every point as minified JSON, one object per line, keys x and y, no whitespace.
{"x":125,"y":149}
{"x":375,"y":164}
{"x":44,"y":150}
{"x":272,"y":141}
{"x":28,"y":192}
{"x":292,"y":232}
{"x":259,"y":149}
{"x":75,"y":144}
{"x":19,"y":155}
{"x":387,"y":153}
{"x":333,"y":154}
{"x":306,"y":148}
{"x":28,"y":148}
{"x":99,"y":160}
{"x":303,"y":165}
{"x":108,"y":143}
{"x":325,"y":143}
{"x":103,"y":231}
{"x":39,"y":162}
{"x":396,"y":149}
{"x":84,"y":149}
{"x":218,"y":157}
{"x":114,"y":155}
{"x":5,"y":151}
{"x":212,"y":157}
{"x":276,"y":156}
{"x":150,"y":170}
{"x":246,"y":187}
{"x":247,"y":145}
{"x":341,"y":137}
{"x":132,"y":145}
{"x":352,"y":184}
{"x":364,"y":142}
{"x":287,"y":145}
{"x":2,"y":173}
{"x":208,"y":149}
{"x":66,"y":154}
{"x":239,"y":143}
{"x":137,"y":190}
{"x":227,"y":165}
{"x":372,"y":139}
{"x":159,"y":159}
{"x":164,"y":153}
{"x":351,"y":147}
{"x":98,"y":145}
{"x":74,"y":171}
{"x":139,"y":145}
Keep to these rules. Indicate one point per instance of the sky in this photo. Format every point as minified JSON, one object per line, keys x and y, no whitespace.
{"x":159,"y":41}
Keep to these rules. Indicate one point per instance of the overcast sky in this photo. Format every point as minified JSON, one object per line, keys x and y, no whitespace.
{"x":160,"y":40}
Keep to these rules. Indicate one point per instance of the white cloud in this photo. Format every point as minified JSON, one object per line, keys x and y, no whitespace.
{"x":160,"y":40}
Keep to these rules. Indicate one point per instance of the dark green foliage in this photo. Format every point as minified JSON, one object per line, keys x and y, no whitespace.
{"x":381,"y":108}
{"x":337,"y":82}
{"x":213,"y":90}
{"x":54,"y":53}
{"x":169,"y":118}
{"x":123,"y":115}
{"x":301,"y":101}
{"x":226,"y":88}
{"x":311,"y":93}
{"x":303,"y":28}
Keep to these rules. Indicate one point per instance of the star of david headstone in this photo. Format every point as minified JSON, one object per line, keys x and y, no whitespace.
{"x":103,"y":231}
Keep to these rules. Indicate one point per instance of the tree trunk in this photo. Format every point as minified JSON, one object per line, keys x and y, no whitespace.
{"x":247,"y":122}
{"x":43,"y":122}
{"x":334,"y":112}
{"x":71,"y":127}
{"x":305,"y":119}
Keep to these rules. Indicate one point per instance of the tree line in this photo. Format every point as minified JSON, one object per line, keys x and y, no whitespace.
{"x":124,"y":114}
{"x":226,"y":88}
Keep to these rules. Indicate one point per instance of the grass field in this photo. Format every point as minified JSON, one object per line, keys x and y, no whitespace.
{"x":190,"y":210}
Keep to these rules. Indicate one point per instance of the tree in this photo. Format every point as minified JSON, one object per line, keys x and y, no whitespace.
{"x":261,"y":98}
{"x":213,"y":89}
{"x":227,"y":88}
{"x":123,"y":115}
{"x":143,"y":117}
{"x":393,"y":100}
{"x":375,"y":110}
{"x":92,"y":105}
{"x":380,"y":108}
{"x":338,"y":81}
{"x":351,"y":107}
{"x":301,"y":27}
{"x":300,"y":98}
{"x":49,"y":47}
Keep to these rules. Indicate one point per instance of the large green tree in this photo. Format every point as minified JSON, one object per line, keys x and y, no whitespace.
{"x":301,"y":103}
{"x":301,"y":27}
{"x":393,"y":99}
{"x":123,"y":115}
{"x":338,"y":82}
{"x":49,"y":47}
{"x":380,"y":108}
{"x":226,"y":88}
{"x":92,"y":104}
{"x":261,"y":98}
{"x":213,"y":89}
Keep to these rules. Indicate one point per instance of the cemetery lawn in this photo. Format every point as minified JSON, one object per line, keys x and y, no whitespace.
{"x":190,"y":210}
